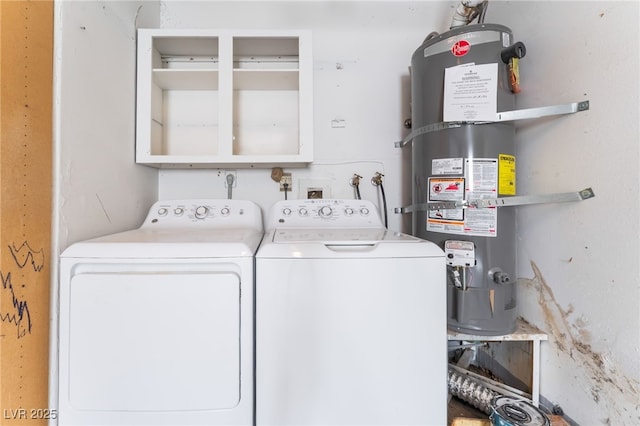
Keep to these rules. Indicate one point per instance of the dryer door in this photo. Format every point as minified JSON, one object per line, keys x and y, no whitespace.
{"x":162,"y":339}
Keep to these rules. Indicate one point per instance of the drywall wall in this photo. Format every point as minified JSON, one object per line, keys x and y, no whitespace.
{"x":99,"y":188}
{"x":578,"y":262}
{"x":361,"y":53}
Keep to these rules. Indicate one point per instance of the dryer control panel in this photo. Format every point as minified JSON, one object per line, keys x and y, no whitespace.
{"x":205,"y":213}
{"x":313,"y":213}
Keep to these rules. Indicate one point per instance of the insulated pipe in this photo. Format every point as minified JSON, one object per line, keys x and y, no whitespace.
{"x":466,"y":12}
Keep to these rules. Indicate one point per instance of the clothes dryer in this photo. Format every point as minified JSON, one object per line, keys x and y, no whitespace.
{"x":350,"y":320}
{"x":156,"y":323}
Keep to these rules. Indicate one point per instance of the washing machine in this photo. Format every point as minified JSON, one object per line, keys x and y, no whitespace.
{"x":350,"y":319}
{"x":156,"y":323}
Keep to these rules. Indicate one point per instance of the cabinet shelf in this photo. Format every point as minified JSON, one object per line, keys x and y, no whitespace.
{"x":213,"y":98}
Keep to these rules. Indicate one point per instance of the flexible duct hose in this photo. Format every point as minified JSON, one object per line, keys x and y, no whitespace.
{"x":467,"y":11}
{"x":471,"y":391}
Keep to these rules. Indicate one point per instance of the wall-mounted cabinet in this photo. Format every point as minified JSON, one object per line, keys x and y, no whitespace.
{"x":224,"y":98}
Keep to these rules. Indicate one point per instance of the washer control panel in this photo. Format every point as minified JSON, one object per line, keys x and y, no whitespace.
{"x":204,"y":212}
{"x":324,"y":213}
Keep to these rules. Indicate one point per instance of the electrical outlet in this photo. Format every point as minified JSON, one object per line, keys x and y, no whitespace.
{"x":286,"y":178}
{"x":314,"y":193}
{"x":315,"y":187}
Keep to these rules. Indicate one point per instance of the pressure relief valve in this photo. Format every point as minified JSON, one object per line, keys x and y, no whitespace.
{"x":511,"y":56}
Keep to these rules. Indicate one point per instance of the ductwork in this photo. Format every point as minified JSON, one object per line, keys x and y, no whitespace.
{"x":467,"y":11}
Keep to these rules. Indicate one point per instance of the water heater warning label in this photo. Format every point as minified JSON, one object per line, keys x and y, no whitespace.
{"x":480,"y":181}
{"x":446,"y":189}
{"x":470,"y":93}
{"x":506,"y":174}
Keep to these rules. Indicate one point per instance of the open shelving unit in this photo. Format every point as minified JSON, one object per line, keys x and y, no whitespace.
{"x":209,"y":98}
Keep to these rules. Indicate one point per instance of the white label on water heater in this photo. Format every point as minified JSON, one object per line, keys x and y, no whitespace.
{"x":482,"y":182}
{"x":471,"y":93}
{"x":447,"y":166}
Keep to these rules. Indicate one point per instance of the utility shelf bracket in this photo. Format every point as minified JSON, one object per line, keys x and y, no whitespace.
{"x":520,"y":200}
{"x":522,"y":114}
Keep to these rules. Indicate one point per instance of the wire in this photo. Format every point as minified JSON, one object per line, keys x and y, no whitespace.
{"x":357,"y":187}
{"x":483,"y":11}
{"x":286,"y":188}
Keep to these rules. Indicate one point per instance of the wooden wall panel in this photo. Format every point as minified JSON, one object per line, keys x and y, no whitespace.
{"x":26,"y":80}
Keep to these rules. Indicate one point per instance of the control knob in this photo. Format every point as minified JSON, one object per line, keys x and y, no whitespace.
{"x":325,"y":211}
{"x":201,"y":212}
{"x":225,"y":211}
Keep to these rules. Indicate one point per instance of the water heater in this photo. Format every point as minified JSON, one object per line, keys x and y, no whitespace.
{"x":460,"y":80}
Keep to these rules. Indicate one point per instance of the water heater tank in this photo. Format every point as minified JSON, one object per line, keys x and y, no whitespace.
{"x":463,"y":163}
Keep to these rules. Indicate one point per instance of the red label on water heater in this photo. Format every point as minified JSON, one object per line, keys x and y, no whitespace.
{"x":461,"y":48}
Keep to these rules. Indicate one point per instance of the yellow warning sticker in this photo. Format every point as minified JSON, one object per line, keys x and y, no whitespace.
{"x":506,"y":174}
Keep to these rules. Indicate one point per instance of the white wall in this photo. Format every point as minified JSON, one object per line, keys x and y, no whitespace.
{"x":361,"y":53}
{"x":578,"y":262}
{"x":98,"y":187}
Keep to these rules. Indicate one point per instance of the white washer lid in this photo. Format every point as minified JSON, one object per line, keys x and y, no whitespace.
{"x":327,"y":235}
{"x":334,"y":243}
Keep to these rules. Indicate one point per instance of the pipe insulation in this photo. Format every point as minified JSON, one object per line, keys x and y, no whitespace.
{"x":467,"y":11}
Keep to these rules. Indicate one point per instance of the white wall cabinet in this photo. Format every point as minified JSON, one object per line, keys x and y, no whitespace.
{"x":224,"y":98}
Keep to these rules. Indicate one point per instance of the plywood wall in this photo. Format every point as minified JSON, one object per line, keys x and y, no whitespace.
{"x":26,"y":74}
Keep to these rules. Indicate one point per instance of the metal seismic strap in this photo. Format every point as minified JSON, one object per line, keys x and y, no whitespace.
{"x":522,"y":114}
{"x":520,"y":200}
